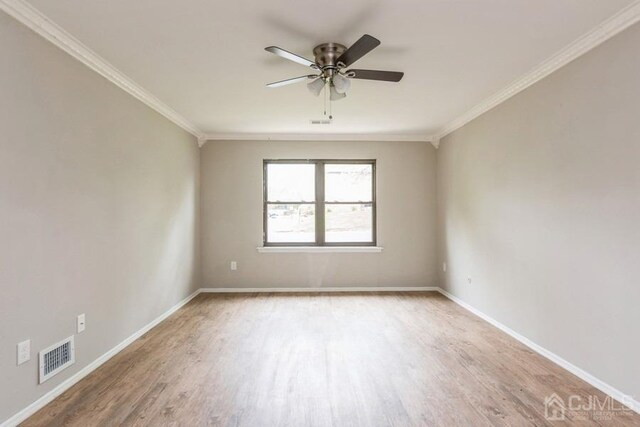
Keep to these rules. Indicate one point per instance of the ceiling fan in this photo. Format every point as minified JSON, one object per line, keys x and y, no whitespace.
{"x":331,"y":60}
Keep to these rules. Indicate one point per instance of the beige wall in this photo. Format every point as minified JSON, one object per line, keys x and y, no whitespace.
{"x":539,"y":203}
{"x":98,"y":211}
{"x":232,"y":217}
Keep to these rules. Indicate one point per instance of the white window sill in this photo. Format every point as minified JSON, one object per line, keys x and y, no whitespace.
{"x":318,"y":249}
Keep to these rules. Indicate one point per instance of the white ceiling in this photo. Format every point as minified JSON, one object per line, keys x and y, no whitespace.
{"x":206,"y":59}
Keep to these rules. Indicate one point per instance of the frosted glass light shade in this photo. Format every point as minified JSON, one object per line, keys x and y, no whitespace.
{"x":315,"y":87}
{"x":334,"y":95}
{"x":341,"y":83}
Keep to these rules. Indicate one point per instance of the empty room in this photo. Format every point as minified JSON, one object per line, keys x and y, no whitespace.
{"x":295,"y":213}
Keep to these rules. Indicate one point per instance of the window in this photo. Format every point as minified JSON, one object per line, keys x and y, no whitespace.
{"x":319,"y":203}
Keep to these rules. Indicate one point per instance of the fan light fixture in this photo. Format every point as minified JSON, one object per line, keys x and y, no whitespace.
{"x":334,"y":95}
{"x":316,"y":86}
{"x":341,"y":83}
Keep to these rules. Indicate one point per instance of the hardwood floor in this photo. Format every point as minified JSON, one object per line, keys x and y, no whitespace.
{"x":377,"y":359}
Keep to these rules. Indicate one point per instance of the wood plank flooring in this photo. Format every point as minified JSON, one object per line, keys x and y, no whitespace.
{"x":374,"y":359}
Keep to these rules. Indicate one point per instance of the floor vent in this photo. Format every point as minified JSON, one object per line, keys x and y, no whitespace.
{"x":56,"y":358}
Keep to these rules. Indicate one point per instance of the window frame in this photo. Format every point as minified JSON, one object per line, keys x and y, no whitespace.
{"x":319,"y":203}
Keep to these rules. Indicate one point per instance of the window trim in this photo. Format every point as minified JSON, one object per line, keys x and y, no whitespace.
{"x":319,"y":203}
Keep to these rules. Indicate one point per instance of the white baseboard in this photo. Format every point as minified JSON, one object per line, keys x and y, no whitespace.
{"x":314,"y":290}
{"x":580,"y":373}
{"x":66,"y":384}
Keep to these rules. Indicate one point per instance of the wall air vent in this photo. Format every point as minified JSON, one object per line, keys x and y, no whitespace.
{"x":320,"y":122}
{"x":56,"y":358}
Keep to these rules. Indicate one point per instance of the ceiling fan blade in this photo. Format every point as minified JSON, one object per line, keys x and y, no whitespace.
{"x":364,"y":45}
{"x":386,"y":76}
{"x":290,"y":81}
{"x":290,"y":56}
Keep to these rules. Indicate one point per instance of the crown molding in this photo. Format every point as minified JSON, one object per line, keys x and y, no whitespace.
{"x":315,"y":137}
{"x":601,"y":33}
{"x":36,"y":21}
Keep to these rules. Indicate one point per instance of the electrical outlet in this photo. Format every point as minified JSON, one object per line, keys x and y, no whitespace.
{"x":444,"y":267}
{"x":234,"y":265}
{"x":80,"y":323}
{"x":24,"y":351}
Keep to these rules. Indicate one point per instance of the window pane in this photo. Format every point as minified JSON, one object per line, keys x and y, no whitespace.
{"x":349,"y":223}
{"x":291,"y":182}
{"x":348,"y":182}
{"x":291,"y":223}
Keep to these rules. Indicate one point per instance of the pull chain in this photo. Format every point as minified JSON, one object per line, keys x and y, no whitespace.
{"x":325,"y":99}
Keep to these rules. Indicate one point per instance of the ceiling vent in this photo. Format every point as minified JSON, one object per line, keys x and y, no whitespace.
{"x":320,"y":122}
{"x":56,"y":358}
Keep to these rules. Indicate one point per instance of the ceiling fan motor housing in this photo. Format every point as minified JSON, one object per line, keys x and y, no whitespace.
{"x":326,"y":56}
